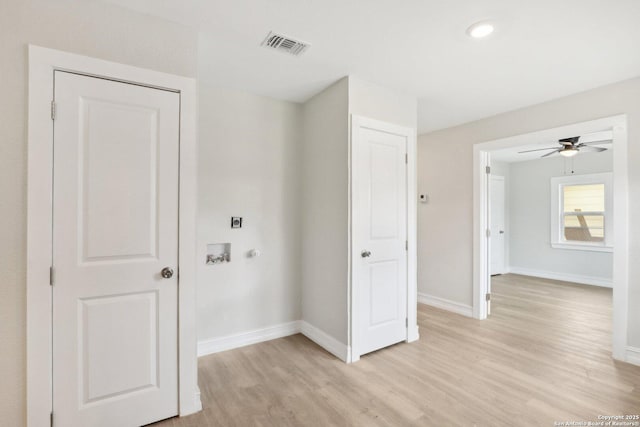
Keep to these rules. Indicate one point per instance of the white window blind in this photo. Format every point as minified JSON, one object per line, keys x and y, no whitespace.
{"x":583,"y":212}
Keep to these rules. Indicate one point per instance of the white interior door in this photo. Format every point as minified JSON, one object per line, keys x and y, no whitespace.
{"x":115,"y":228}
{"x":496,"y":224}
{"x":380,"y":224}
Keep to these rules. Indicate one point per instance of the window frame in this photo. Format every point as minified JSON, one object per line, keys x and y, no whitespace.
{"x":558,"y":240}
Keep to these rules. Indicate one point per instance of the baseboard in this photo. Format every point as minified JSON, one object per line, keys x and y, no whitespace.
{"x":633,"y":355}
{"x":216,"y":345}
{"x":326,"y":341}
{"x":565,"y":277}
{"x":445,"y":304}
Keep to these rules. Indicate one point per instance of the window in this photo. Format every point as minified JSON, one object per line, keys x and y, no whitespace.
{"x":582,"y":212}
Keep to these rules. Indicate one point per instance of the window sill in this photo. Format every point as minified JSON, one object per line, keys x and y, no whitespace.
{"x":582,"y":247}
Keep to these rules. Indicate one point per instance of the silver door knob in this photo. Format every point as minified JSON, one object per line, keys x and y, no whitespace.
{"x":365,"y":254}
{"x":167,"y":272}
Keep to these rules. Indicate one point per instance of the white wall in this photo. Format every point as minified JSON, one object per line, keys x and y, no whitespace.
{"x":248,"y":166}
{"x":445,"y":226}
{"x":325,"y":232}
{"x":445,"y":223}
{"x":89,"y":28}
{"x":380,"y":103}
{"x":530,"y":216}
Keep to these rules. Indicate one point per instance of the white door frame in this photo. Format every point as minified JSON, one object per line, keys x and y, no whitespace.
{"x":353,"y":352}
{"x":42,"y":64}
{"x":481,"y":159}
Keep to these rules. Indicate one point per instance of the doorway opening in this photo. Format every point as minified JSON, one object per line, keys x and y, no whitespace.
{"x":533,"y":201}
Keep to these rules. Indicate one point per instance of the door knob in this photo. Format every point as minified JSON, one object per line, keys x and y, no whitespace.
{"x":501,"y":231}
{"x":167,"y":272}
{"x":365,"y":254}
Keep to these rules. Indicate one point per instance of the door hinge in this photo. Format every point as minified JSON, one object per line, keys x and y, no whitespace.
{"x":488,"y":296}
{"x":51,"y":419}
{"x":51,"y":275}
{"x":406,"y":322}
{"x":53,"y":110}
{"x":487,"y":169}
{"x":406,"y":158}
{"x":406,"y":245}
{"x":488,"y":233}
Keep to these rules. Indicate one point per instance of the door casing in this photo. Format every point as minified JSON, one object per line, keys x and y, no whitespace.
{"x":357,"y":122}
{"x":42,"y":64}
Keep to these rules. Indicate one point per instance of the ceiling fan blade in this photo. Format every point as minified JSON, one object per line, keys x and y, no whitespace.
{"x":539,"y":149}
{"x":594,"y":149}
{"x":553,"y":152}
{"x":603,"y":142}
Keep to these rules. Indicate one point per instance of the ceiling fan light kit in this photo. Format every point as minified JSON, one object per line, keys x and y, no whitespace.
{"x":569,"y":151}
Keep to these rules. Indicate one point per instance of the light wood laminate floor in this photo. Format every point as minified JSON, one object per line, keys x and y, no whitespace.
{"x":543,"y":356}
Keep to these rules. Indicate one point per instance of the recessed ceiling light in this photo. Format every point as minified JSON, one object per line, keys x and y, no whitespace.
{"x":480,"y":30}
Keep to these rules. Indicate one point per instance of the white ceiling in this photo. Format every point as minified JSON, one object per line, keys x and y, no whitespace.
{"x":541,"y":50}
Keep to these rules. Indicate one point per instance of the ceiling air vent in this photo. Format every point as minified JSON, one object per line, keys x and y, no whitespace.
{"x":285,"y":44}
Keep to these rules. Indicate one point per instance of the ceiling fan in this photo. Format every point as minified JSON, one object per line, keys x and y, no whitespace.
{"x":571,"y":146}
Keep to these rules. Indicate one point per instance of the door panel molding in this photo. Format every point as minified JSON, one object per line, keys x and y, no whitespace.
{"x":42,"y":64}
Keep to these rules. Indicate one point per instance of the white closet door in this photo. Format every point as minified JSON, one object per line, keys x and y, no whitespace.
{"x":115,"y":228}
{"x":381,"y":226}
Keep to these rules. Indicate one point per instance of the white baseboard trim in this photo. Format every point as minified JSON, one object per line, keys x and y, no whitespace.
{"x":633,"y":355}
{"x":326,"y":341}
{"x":216,"y":345}
{"x":445,"y":304}
{"x":565,"y":277}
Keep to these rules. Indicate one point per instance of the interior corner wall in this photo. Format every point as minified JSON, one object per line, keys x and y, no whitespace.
{"x":445,"y":172}
{"x":381,"y":103}
{"x":325,"y":195}
{"x":94,"y":29}
{"x":248,"y":166}
{"x":324,"y":201}
{"x":529,"y":219}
